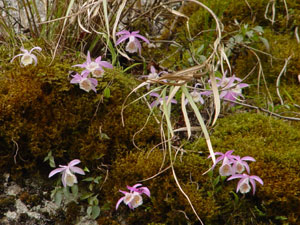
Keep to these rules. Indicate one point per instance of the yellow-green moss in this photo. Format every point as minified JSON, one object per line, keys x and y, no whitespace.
{"x":275,"y":146}
{"x":41,"y":112}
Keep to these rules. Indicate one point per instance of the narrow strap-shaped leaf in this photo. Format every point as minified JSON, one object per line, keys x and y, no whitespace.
{"x":200,"y":120}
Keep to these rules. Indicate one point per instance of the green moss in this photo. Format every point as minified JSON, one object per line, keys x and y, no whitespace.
{"x":42,"y":111}
{"x":275,"y":146}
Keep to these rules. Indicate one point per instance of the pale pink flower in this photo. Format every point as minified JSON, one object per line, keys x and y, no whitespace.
{"x":240,"y":164}
{"x":94,"y":67}
{"x":133,"y":198}
{"x":27,"y":57}
{"x":134,"y":44}
{"x":243,"y":185}
{"x":85,"y":83}
{"x":68,"y":172}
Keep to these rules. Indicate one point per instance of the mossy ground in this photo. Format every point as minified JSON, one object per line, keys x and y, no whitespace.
{"x":41,"y":112}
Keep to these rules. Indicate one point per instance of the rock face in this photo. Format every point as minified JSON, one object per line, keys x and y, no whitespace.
{"x":18,"y":13}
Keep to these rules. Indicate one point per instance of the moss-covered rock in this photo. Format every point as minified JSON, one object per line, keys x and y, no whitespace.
{"x":272,"y":142}
{"x":41,"y":112}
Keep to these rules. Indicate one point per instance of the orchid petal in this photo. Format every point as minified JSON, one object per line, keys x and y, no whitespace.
{"x":15,"y":57}
{"x":253,"y":185}
{"x":76,"y":169}
{"x":55,"y":171}
{"x":142,"y":37}
{"x":34,"y":59}
{"x":73,"y":162}
{"x":122,"y":39}
{"x":119,"y":202}
{"x":258,"y":179}
{"x":105,"y":64}
{"x":123,"y":32}
{"x":248,"y":158}
{"x":35,"y":48}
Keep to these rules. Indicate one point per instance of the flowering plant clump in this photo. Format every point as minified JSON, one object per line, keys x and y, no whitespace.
{"x":94,"y":67}
{"x":85,"y":83}
{"x":229,"y":89}
{"x":133,"y":198}
{"x":233,"y":166}
{"x":68,"y":172}
{"x":134,"y":44}
{"x":27,"y":57}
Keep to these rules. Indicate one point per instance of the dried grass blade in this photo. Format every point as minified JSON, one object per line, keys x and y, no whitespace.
{"x":185,"y":115}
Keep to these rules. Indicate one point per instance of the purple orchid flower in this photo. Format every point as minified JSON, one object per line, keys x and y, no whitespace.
{"x":27,"y":57}
{"x":133,"y":198}
{"x":134,"y":44}
{"x":228,"y":159}
{"x":85,"y":83}
{"x":197,"y":95}
{"x":240,"y":164}
{"x":159,"y":101}
{"x":94,"y":67}
{"x":229,"y":89}
{"x":152,"y":76}
{"x":243,"y":185}
{"x":68,"y":178}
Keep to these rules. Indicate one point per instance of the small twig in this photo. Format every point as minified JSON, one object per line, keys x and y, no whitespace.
{"x":15,"y":156}
{"x":278,"y":79}
{"x":264,"y":110}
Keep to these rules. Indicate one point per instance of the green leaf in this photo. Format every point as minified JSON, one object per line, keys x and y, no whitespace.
{"x":95,"y":211}
{"x":86,"y":196}
{"x":216,"y":181}
{"x":74,"y":189}
{"x":258,"y":29}
{"x":89,"y":179}
{"x":52,"y":162}
{"x":58,"y":197}
{"x":131,"y":66}
{"x":106,"y":92}
{"x":89,"y":210}
{"x":104,"y":136}
{"x":265,"y":42}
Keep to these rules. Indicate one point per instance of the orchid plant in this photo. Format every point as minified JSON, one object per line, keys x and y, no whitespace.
{"x":229,"y":89}
{"x":234,"y":166}
{"x":27,"y":57}
{"x":133,"y":198}
{"x":68,"y":172}
{"x":133,"y":44}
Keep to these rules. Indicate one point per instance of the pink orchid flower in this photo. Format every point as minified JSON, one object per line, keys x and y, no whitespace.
{"x":27,"y":57}
{"x":240,"y":164}
{"x":243,"y":185}
{"x":85,"y":83}
{"x":152,"y":76}
{"x":134,"y":44}
{"x":197,"y":95}
{"x":68,"y":178}
{"x":133,"y":198}
{"x":229,"y":89}
{"x":94,"y":67}
{"x":159,"y":101}
{"x":228,"y":159}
